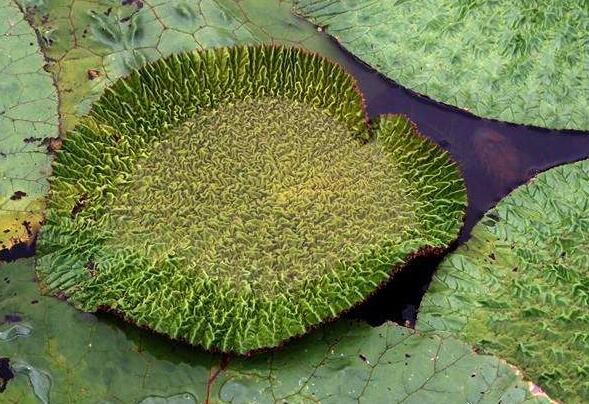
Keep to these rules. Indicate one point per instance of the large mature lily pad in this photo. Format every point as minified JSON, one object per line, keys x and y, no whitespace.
{"x":524,"y":63}
{"x":236,"y":197}
{"x":67,"y":356}
{"x":28,"y":115}
{"x":520,"y":287}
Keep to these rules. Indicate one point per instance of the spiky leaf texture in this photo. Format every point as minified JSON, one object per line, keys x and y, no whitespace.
{"x":520,"y":287}
{"x":236,"y":197}
{"x":520,"y":62}
{"x":92,"y":43}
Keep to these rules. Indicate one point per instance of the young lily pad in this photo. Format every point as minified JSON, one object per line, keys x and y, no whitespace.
{"x":235,"y":197}
{"x":520,"y":287}
{"x":526,"y":64}
{"x":70,"y":356}
{"x":28,"y":115}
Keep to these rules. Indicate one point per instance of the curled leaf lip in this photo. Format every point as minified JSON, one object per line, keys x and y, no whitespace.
{"x":111,"y":264}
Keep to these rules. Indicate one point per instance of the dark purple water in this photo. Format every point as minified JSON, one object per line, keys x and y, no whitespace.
{"x":496,"y":157}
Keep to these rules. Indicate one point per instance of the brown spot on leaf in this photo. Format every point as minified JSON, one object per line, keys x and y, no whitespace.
{"x":91,"y":267}
{"x":79,"y":205}
{"x":28,"y":228}
{"x":18,"y":195}
{"x":136,"y":3}
{"x":93,"y":73}
{"x":12,"y":318}
{"x":32,"y":139}
{"x":53,"y":144}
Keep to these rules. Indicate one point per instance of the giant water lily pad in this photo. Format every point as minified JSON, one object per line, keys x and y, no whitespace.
{"x":523,"y":63}
{"x":520,"y":287}
{"x":67,"y":356}
{"x":237,"y":197}
{"x":28,"y":115}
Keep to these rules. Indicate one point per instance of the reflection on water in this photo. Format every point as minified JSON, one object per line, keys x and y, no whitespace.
{"x":495,"y":157}
{"x":498,"y":155}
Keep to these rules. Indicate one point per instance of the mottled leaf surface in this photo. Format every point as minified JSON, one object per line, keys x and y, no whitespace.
{"x":87,"y":45}
{"x":28,"y":115}
{"x":94,"y":42}
{"x":520,"y":287}
{"x":523,"y":63}
{"x":71,"y":357}
{"x":60,"y":353}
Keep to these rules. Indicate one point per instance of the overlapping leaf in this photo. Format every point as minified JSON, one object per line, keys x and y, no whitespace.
{"x":524,"y":63}
{"x":153,"y":213}
{"x":59,"y":350}
{"x":88,"y":45}
{"x":93,"y":42}
{"x":28,"y":116}
{"x":71,"y":357}
{"x":520,"y":288}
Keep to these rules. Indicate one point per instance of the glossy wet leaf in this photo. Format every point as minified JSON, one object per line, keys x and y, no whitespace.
{"x":524,"y":63}
{"x":28,"y":115}
{"x":520,"y":287}
{"x":89,"y":359}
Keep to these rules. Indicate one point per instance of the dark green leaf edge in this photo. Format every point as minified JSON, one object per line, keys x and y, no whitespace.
{"x":70,"y":356}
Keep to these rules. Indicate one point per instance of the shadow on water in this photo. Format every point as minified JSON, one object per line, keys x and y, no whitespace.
{"x":495,"y":157}
{"x":399,"y":299}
